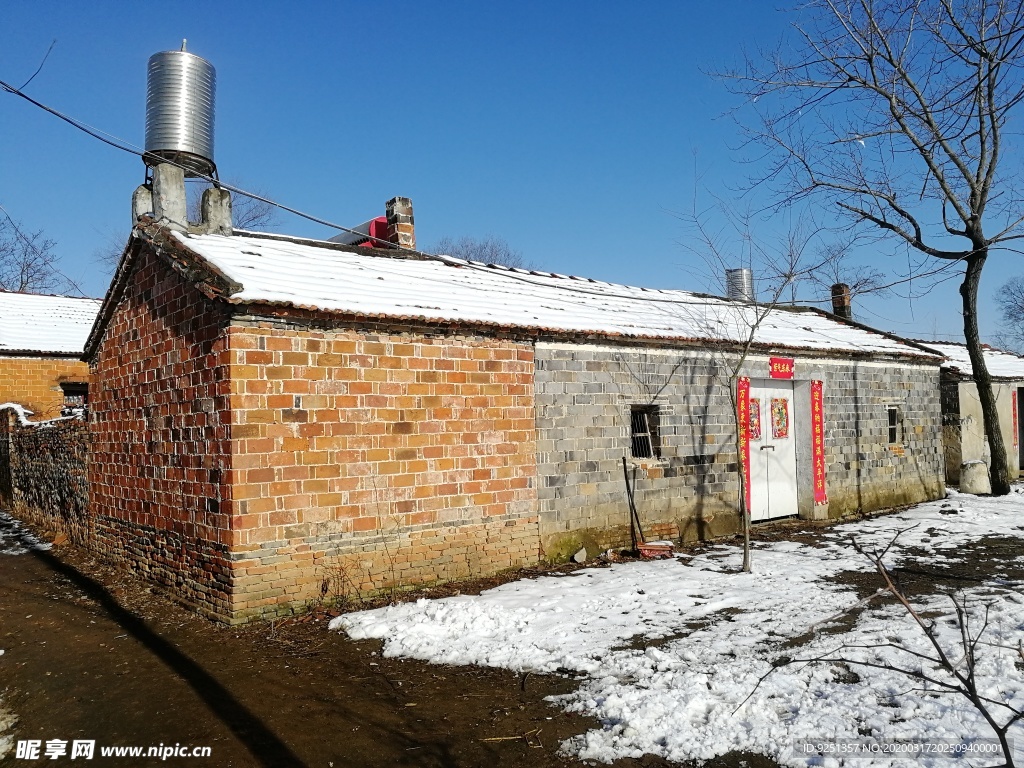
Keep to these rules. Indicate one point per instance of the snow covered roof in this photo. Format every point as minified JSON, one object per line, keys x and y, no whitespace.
{"x":319,"y":276}
{"x":1000,"y":364}
{"x":34,"y":323}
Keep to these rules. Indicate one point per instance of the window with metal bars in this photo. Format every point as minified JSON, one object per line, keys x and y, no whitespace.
{"x":644,"y":432}
{"x":893,"y":414}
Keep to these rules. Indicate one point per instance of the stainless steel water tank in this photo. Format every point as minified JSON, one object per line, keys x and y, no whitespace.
{"x":739,"y":284}
{"x":179,"y":111}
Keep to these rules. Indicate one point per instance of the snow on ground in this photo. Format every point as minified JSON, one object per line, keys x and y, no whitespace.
{"x":7,"y":723}
{"x":15,"y":538}
{"x":670,"y":650}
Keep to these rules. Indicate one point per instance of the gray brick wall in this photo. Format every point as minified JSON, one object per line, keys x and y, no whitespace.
{"x":584,"y":394}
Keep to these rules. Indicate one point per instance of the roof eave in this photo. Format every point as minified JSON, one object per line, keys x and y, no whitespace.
{"x":193,"y":267}
{"x":278,"y":310}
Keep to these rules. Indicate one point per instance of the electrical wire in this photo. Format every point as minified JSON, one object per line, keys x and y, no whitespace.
{"x":125,"y":146}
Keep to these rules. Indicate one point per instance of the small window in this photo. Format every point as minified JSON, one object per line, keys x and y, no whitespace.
{"x":644,"y":431}
{"x":76,"y":397}
{"x":893,"y":414}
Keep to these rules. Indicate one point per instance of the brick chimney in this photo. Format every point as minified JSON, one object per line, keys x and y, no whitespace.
{"x":841,"y":305}
{"x":401,"y":229}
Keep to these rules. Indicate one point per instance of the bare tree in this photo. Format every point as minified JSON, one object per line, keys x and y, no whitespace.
{"x":780,"y":264}
{"x":28,"y":262}
{"x":836,"y":266}
{"x":489,"y":250}
{"x":895,"y":112}
{"x":1010,"y":298}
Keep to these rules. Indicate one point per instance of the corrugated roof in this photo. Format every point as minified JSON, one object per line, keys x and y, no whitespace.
{"x":308,"y":275}
{"x":45,"y":324}
{"x":1004,"y":365}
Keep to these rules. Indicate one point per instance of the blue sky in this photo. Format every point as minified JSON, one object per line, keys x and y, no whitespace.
{"x":576,"y":131}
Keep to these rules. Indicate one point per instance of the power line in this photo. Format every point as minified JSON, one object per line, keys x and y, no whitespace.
{"x":126,"y":146}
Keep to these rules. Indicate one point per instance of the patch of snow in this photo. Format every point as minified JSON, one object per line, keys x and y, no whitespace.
{"x":1000,"y":363}
{"x":16,"y":539}
{"x":36,"y":323}
{"x":310,"y":274}
{"x":23,"y":414}
{"x":686,"y":697}
{"x":7,"y":722}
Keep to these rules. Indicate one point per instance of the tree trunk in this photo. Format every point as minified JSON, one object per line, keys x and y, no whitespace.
{"x":999,"y":472}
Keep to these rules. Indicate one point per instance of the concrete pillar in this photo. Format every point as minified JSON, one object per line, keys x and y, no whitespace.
{"x":142,"y":203}
{"x":169,"y":206}
{"x":401,"y":228}
{"x":215,"y":207}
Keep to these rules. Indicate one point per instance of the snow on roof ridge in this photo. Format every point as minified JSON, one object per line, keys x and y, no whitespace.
{"x":327,"y":277}
{"x":1001,"y":363}
{"x":6,"y":292}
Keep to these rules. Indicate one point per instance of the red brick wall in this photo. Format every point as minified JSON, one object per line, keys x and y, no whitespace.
{"x":34,"y":382}
{"x":362,"y":461}
{"x":159,"y":426}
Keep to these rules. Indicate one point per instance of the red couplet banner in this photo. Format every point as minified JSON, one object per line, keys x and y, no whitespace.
{"x":781,"y":367}
{"x":1016,"y":429}
{"x":743,"y":425}
{"x":818,"y":441}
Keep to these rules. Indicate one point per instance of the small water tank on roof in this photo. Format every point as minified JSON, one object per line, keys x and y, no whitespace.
{"x":180,"y":93}
{"x":739,"y":284}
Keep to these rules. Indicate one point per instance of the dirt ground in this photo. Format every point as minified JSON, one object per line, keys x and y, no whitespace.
{"x":92,"y":652}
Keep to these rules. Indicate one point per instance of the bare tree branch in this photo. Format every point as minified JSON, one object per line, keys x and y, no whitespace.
{"x":28,"y":262}
{"x":489,"y":250}
{"x":896,"y":114}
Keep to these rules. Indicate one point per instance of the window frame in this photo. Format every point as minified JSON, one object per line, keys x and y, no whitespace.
{"x":644,"y":438}
{"x":72,"y":392}
{"x":893,"y":424}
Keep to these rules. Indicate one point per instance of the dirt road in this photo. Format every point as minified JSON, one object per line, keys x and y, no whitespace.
{"x":91,"y":653}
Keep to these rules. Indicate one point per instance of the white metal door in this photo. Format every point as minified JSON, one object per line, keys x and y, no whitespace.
{"x":772,"y":450}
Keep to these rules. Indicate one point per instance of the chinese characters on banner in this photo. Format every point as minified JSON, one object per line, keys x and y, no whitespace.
{"x":818,"y":442}
{"x":1016,"y":429}
{"x":781,"y":367}
{"x":743,"y":424}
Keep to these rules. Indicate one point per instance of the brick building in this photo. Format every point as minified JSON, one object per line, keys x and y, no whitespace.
{"x":963,"y":424}
{"x":276,"y":419}
{"x":41,"y":343}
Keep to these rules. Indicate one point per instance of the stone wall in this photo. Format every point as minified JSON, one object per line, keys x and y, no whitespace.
{"x":363,"y":461}
{"x":34,"y":382}
{"x":43,"y":473}
{"x":584,"y":397}
{"x":159,"y":471}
